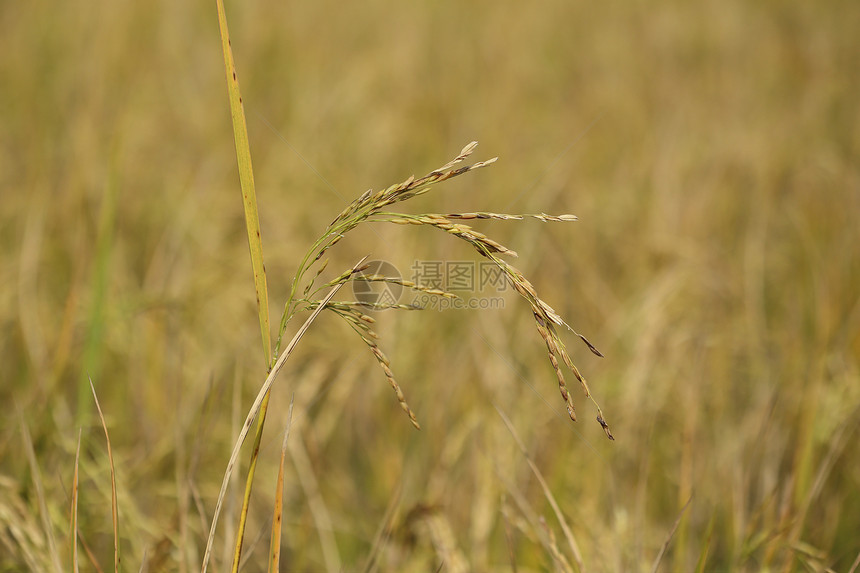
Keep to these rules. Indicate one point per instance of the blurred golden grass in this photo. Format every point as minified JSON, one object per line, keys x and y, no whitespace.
{"x":716,"y":264}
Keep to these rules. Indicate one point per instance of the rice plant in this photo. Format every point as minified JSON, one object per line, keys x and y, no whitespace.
{"x":374,"y":207}
{"x":370,"y":207}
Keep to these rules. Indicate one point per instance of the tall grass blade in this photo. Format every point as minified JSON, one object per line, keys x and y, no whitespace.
{"x":278,"y":514}
{"x":73,"y":526}
{"x":568,"y":534}
{"x":252,"y":225}
{"x":113,"y":506}
{"x":703,"y":556}
{"x":255,"y":409}
{"x":855,"y":565}
{"x":246,"y":179}
{"x":249,"y":484}
{"x":665,"y":546}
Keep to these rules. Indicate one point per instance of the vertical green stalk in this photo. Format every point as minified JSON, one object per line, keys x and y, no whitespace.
{"x":252,"y":224}
{"x":246,"y":179}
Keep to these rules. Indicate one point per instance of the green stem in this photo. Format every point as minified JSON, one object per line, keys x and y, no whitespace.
{"x":249,"y":482}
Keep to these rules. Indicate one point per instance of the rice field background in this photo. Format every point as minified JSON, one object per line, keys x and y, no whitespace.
{"x":710,"y":151}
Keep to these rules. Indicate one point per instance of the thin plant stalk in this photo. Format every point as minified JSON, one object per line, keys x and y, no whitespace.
{"x":74,"y":512}
{"x":249,"y":483}
{"x":252,"y":225}
{"x":113,"y":505}
{"x":246,"y":179}
{"x":252,"y":413}
{"x":665,"y":545}
{"x":278,"y":514}
{"x":568,"y":534}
